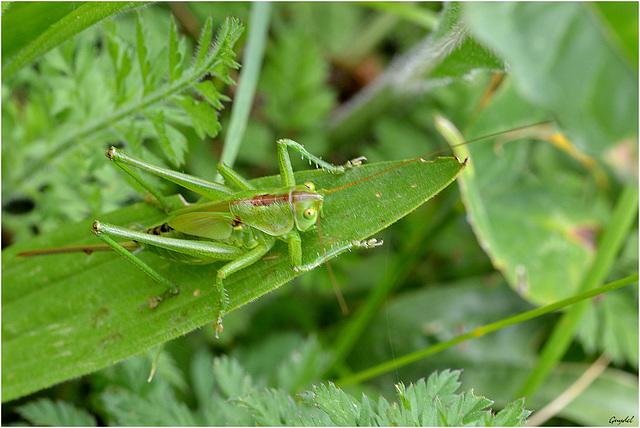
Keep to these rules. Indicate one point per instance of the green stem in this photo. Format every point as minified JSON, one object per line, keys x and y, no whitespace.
{"x":248,"y":81}
{"x":561,"y":337}
{"x":481,"y":331}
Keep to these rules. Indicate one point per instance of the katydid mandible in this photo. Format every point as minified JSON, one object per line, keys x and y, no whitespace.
{"x":237,"y":226}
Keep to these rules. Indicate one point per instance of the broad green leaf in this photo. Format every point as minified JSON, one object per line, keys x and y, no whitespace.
{"x":67,"y":315}
{"x":50,"y":24}
{"x":514,"y":206}
{"x":561,"y":59}
{"x":620,"y":25}
{"x":16,"y":36}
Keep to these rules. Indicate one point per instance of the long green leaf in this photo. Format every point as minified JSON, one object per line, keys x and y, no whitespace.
{"x":50,"y":25}
{"x":67,"y":315}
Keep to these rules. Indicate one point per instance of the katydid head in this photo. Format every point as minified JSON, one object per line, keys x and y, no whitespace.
{"x":307,"y":204}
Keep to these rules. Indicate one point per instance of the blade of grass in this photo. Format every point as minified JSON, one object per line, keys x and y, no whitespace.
{"x":613,"y":238}
{"x":481,"y":331}
{"x":252,"y":64}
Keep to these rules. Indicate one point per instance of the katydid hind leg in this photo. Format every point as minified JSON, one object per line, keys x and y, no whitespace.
{"x":198,"y":185}
{"x":171,"y":288}
{"x":161,"y":200}
{"x":197,"y":249}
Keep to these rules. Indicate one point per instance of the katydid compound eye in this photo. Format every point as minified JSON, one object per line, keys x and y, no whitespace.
{"x":309,"y":185}
{"x":309,"y":213}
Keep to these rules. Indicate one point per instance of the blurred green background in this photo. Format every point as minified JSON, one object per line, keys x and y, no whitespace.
{"x":351,"y":79}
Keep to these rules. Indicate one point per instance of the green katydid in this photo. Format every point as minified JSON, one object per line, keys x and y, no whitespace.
{"x":239,"y":227}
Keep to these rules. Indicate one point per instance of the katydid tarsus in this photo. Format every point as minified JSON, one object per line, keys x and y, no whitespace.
{"x":237,"y":225}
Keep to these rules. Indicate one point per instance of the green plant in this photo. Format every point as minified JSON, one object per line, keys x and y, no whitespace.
{"x":546,"y":220}
{"x":116,"y":96}
{"x":227,"y":394}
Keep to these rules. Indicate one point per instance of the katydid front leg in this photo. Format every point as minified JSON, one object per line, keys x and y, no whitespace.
{"x":295,"y":248}
{"x":283,"y":159}
{"x":339,"y":249}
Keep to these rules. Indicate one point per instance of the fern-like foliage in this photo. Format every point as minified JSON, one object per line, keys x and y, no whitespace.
{"x":426,"y":403}
{"x":46,"y":412}
{"x":98,"y":90}
{"x":225,"y":394}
